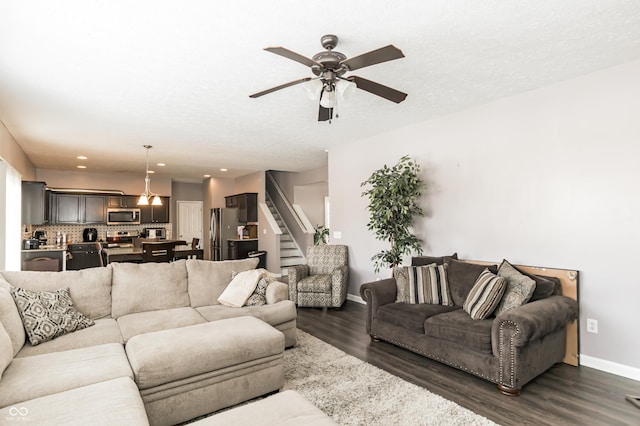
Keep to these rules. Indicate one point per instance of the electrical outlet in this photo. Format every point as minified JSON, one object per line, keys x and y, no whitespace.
{"x":337,"y":235}
{"x":592,"y":326}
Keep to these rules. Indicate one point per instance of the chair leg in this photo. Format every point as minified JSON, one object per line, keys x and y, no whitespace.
{"x":324,"y":309}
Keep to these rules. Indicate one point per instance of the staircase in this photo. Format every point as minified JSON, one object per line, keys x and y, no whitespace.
{"x":290,"y":253}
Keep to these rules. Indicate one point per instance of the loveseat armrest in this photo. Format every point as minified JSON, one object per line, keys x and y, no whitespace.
{"x":376,"y":294}
{"x":276,"y":292}
{"x":535,"y":320}
{"x":295,"y":274}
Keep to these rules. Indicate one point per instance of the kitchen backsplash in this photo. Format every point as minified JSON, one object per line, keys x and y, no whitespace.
{"x":74,"y":232}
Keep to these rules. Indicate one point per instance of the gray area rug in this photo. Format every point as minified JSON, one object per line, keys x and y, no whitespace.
{"x":353,"y":392}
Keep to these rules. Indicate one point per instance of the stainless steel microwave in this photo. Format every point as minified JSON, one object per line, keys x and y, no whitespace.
{"x":123,"y":216}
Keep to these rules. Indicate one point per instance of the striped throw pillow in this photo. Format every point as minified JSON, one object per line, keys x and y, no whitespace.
{"x":485,"y":295}
{"x":428,"y":284}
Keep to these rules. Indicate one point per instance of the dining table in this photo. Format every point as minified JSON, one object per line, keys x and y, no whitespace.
{"x":134,"y":254}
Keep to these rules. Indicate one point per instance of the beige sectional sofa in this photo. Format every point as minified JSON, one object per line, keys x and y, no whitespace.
{"x":87,"y":377}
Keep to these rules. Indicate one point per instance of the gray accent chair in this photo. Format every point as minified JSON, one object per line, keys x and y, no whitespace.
{"x":322,"y":282}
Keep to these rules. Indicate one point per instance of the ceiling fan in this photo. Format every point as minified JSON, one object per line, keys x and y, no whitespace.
{"x":330,"y":82}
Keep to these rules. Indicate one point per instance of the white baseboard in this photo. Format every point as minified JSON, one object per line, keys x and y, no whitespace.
{"x":356,"y":299}
{"x":610,"y":367}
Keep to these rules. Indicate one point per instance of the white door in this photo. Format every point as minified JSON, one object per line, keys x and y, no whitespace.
{"x":190,"y":221}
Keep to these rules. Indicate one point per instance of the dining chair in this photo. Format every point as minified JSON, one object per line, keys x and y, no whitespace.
{"x":157,"y":252}
{"x":194,"y":243}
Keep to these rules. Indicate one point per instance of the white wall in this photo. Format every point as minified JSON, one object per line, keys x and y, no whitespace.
{"x":546,"y":178}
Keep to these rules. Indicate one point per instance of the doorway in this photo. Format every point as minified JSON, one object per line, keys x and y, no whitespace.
{"x":190,"y":221}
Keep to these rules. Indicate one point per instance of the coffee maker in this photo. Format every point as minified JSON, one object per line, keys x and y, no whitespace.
{"x":41,"y":236}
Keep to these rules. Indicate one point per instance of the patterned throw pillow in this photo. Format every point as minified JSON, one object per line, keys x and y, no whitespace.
{"x":259,"y":296}
{"x":519,"y":288}
{"x":48,"y":314}
{"x":484,"y":295}
{"x":423,"y":284}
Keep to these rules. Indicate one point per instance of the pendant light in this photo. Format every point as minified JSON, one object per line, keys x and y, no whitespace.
{"x":147,"y":194}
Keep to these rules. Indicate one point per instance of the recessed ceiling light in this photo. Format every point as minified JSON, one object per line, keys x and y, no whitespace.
{"x":82,"y":167}
{"x":223,"y":170}
{"x":151,"y":171}
{"x":81,"y":157}
{"x":161,"y":164}
{"x":207,"y":176}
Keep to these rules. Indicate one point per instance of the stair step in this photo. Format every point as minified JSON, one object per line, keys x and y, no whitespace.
{"x":290,"y":252}
{"x":287,"y":245}
{"x":290,"y":261}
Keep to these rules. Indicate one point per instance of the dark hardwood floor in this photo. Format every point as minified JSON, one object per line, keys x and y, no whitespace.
{"x":564,"y":395}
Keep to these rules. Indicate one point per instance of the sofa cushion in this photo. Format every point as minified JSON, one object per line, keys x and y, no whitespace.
{"x":272,"y":314}
{"x":39,"y":375}
{"x":6,"y":350}
{"x":458,"y":327}
{"x":240,"y":288}
{"x":111,"y":402}
{"x":146,"y":322}
{"x":423,"y":284}
{"x":141,"y":287}
{"x":462,"y":276}
{"x":485,"y":295}
{"x":105,"y":330}
{"x":207,"y":280}
{"x":428,"y":260}
{"x":48,"y":314}
{"x":10,"y":317}
{"x":90,"y":288}
{"x":411,"y":317}
{"x":519,"y":288}
{"x":315,"y":284}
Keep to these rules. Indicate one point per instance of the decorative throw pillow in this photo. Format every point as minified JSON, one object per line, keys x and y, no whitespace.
{"x":48,"y":314}
{"x":484,"y":295}
{"x":259,"y":296}
{"x":519,"y":288}
{"x":240,"y":288}
{"x":424,"y":284}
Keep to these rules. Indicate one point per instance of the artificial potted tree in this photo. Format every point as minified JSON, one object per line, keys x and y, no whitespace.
{"x":321,"y":235}
{"x":393,"y":194}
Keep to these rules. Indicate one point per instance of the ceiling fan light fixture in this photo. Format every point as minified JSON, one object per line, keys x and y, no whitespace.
{"x":345,"y":89}
{"x":328,"y":99}
{"x":313,"y":89}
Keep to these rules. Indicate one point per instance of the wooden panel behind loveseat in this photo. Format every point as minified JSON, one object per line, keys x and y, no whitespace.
{"x":569,"y":281}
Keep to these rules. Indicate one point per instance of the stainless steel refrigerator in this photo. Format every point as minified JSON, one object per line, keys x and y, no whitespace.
{"x":223,"y":225}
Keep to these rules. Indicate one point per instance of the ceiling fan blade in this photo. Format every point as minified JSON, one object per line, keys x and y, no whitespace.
{"x":325,"y":114}
{"x":292,"y":55}
{"x":282,"y":86}
{"x":378,"y":89}
{"x":384,"y":54}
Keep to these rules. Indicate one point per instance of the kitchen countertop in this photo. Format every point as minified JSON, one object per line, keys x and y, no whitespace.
{"x":47,"y":248}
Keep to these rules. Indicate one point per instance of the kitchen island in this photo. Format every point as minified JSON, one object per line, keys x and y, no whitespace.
{"x":134,"y":254}
{"x":45,"y":258}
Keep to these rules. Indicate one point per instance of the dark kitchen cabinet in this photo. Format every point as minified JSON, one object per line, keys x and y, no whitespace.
{"x":122,"y":201}
{"x":35,"y":203}
{"x":247,"y":205}
{"x":231,"y":201}
{"x":79,"y":208}
{"x":155,"y":214}
{"x":240,"y":249}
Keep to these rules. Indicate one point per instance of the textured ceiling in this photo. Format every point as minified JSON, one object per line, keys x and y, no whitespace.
{"x":103,"y":78}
